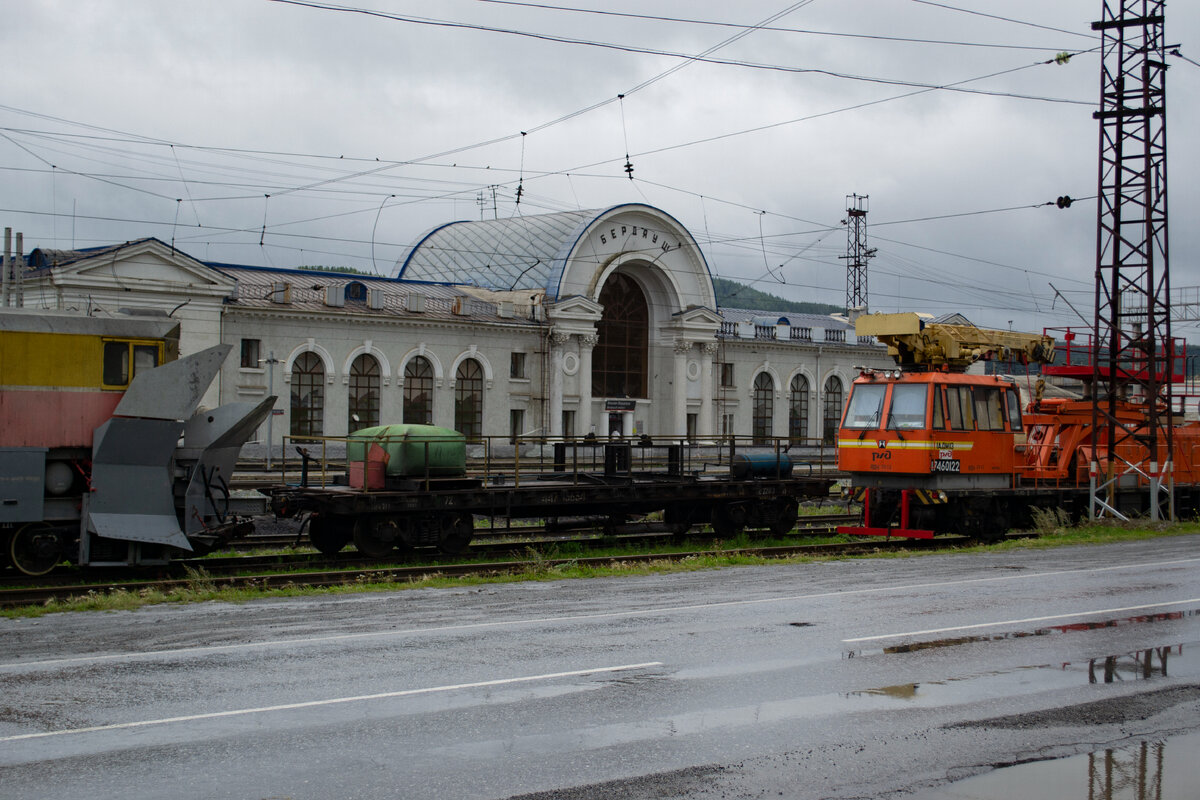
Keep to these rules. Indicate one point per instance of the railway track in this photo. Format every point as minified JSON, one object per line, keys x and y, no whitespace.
{"x":324,"y":572}
{"x":490,"y":543}
{"x":484,"y":538}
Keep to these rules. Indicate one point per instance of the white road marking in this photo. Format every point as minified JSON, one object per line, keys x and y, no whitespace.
{"x":641,"y":612}
{"x":332,"y":701}
{"x":1023,"y":621}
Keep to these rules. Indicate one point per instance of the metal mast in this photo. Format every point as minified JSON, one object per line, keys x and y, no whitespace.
{"x":857,"y":254}
{"x":1134,"y":356}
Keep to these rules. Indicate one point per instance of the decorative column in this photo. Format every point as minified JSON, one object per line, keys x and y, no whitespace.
{"x":557,"y":340}
{"x":585,"y":419}
{"x":705,"y":428}
{"x":679,"y":411}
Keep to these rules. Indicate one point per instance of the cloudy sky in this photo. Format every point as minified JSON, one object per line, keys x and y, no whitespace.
{"x":285,"y":133}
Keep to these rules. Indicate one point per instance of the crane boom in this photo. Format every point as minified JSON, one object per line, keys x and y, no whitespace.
{"x":918,"y":344}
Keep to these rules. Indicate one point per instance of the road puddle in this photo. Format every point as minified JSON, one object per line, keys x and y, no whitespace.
{"x":1049,"y":630}
{"x":1177,"y":660}
{"x":1166,"y":769}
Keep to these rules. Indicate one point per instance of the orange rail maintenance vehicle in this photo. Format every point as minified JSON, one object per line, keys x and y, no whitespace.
{"x":930,"y":449}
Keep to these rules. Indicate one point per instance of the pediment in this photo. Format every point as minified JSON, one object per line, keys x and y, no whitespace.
{"x":151,"y":266}
{"x":699,"y":316}
{"x":575,"y":307}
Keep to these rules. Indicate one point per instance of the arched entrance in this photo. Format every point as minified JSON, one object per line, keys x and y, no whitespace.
{"x":621,"y":355}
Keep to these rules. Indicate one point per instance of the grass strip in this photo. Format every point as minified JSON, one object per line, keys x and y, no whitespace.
{"x":551,"y":566}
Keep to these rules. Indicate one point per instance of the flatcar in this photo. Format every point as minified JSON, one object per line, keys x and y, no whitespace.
{"x":930,"y":449}
{"x":93,"y":410}
{"x":407,"y":486}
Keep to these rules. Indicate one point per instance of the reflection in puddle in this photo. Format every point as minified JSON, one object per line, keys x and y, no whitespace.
{"x":912,"y":647}
{"x":1161,"y":770}
{"x":1184,"y":660}
{"x":1138,"y":665}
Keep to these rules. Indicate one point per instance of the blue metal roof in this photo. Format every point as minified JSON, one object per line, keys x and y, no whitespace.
{"x":502,"y":254}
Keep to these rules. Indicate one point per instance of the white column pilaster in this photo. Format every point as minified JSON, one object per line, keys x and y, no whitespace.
{"x":707,"y":414}
{"x":679,"y":402}
{"x":558,"y":340}
{"x":585,"y":418}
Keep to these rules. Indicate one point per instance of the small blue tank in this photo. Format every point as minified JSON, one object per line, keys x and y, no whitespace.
{"x":761,"y":465}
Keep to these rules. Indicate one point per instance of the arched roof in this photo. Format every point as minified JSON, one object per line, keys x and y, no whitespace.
{"x":500,"y":254}
{"x":537,"y":252}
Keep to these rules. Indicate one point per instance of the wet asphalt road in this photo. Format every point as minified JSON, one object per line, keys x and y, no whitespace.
{"x":843,"y":679}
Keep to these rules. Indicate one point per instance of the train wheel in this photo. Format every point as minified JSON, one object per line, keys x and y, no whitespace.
{"x":996,"y":527}
{"x":679,"y":518}
{"x":35,"y":548}
{"x":457,"y":531}
{"x":786,"y":514}
{"x":328,"y":534}
{"x":729,"y":520}
{"x":375,"y":537}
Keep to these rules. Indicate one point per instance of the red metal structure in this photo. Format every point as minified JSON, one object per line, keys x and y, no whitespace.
{"x":1132,"y":329}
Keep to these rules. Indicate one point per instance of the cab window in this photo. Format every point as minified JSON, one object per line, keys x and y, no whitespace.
{"x":865,"y":408}
{"x":123,"y":360}
{"x":959,"y":408}
{"x":988,"y":410}
{"x":145,"y":356}
{"x":908,"y":407}
{"x":939,"y":413}
{"x":1014,"y":410}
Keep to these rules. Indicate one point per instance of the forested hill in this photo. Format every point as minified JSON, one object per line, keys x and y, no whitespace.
{"x":731,"y":294}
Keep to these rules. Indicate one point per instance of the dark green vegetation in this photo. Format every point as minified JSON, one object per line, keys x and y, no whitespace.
{"x":731,"y":294}
{"x":340,"y":270}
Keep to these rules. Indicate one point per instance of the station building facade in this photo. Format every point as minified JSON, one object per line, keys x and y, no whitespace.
{"x":587,"y":322}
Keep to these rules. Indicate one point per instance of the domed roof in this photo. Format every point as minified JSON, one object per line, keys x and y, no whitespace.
{"x":503,"y":254}
{"x":562,"y":254}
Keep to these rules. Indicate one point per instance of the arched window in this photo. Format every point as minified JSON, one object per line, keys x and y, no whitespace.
{"x":764,"y":407}
{"x":364,"y":393}
{"x":832,"y":409}
{"x":418,"y":392}
{"x":308,"y":395}
{"x":619,"y":361}
{"x":468,"y":399}
{"x":798,"y":410}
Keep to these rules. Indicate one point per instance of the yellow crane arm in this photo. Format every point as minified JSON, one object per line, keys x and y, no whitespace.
{"x":916,"y":343}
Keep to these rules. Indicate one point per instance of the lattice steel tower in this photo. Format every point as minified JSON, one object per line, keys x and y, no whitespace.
{"x":857,"y":254}
{"x":1135,"y":355}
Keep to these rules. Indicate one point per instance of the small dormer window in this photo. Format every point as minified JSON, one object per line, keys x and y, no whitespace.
{"x":356,"y":291}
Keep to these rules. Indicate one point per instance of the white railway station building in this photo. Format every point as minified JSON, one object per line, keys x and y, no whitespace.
{"x":602,"y":321}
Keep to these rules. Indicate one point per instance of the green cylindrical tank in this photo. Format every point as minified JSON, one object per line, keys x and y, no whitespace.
{"x":411,"y":450}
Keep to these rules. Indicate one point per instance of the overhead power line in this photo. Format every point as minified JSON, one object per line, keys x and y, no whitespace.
{"x":1005,"y":19}
{"x":769,"y":28}
{"x":652,"y":51}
